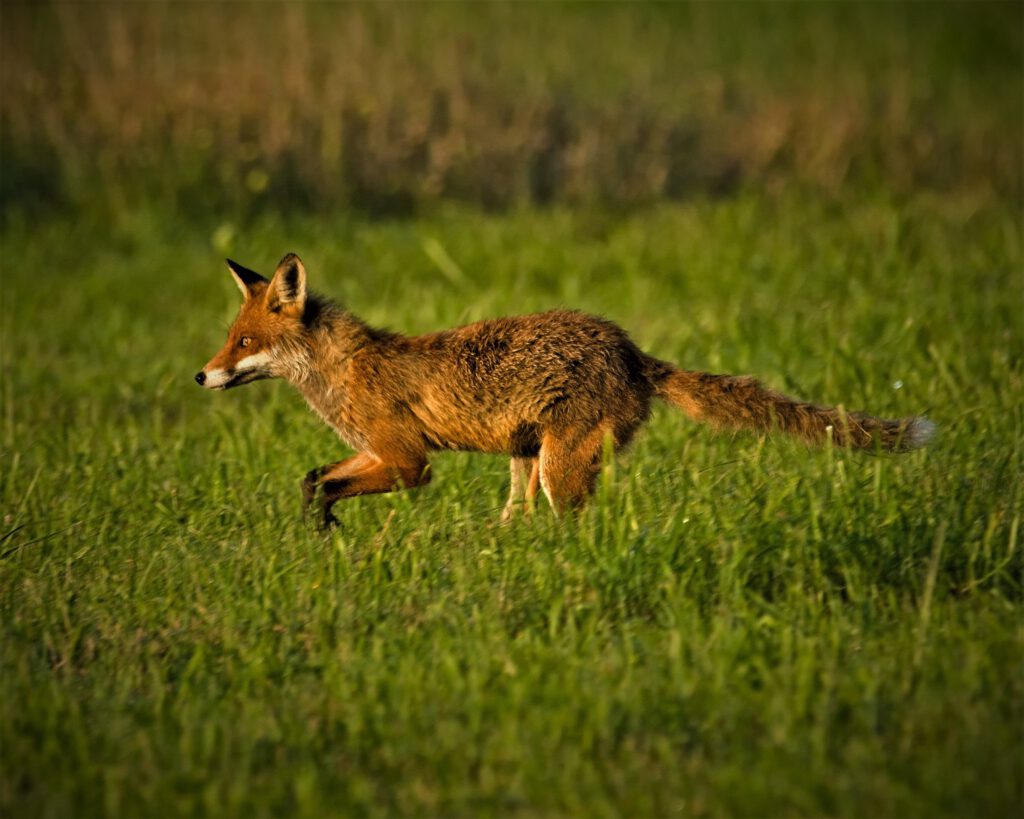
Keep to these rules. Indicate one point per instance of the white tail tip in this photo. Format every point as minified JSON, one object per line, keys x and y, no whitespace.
{"x":919,"y":433}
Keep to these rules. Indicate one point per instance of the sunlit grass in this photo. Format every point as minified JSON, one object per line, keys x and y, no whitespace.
{"x":735,"y":626}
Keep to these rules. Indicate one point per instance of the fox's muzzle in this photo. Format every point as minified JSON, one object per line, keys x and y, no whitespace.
{"x":218,"y":379}
{"x":249,"y":369}
{"x":224,"y":379}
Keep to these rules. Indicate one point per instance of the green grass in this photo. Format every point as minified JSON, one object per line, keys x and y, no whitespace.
{"x":736,"y":626}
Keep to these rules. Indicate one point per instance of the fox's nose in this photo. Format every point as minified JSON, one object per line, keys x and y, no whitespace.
{"x":200,"y":378}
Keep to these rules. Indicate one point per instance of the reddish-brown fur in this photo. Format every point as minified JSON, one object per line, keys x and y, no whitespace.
{"x":548,"y":389}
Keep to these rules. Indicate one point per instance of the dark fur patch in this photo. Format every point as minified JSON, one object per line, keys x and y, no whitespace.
{"x":525,"y":441}
{"x":291,"y":281}
{"x":335,"y":489}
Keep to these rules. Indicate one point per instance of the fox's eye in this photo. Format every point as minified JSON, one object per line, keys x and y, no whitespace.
{"x":245,"y":341}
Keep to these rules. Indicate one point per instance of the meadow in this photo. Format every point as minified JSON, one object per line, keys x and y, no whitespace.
{"x":826,"y":196}
{"x":736,"y":626}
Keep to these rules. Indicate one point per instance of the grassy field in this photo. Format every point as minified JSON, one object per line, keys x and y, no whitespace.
{"x":827,"y":195}
{"x":736,"y":626}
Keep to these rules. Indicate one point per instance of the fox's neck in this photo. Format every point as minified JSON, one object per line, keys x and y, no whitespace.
{"x":333,"y":338}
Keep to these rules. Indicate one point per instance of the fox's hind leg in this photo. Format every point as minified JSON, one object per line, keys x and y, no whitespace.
{"x":525,"y":480}
{"x":570,"y":460}
{"x":362,"y":474}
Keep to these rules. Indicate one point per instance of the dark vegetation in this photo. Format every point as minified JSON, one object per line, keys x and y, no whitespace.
{"x":391,"y":107}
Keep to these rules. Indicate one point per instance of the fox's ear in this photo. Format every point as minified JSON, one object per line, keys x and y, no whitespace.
{"x":246,"y":279}
{"x":288,"y":287}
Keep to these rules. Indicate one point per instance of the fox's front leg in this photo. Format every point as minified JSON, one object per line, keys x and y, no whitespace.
{"x":362,"y":474}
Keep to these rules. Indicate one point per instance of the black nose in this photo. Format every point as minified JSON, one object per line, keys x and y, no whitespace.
{"x":200,"y":378}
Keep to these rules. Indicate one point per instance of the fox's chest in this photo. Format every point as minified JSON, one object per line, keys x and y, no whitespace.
{"x":349,"y":433}
{"x":335,"y":410}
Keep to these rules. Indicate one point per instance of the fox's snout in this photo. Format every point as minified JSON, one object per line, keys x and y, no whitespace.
{"x":217,"y":378}
{"x":217,"y":375}
{"x":214,"y":379}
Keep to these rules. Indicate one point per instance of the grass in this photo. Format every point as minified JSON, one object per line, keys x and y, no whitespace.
{"x":736,"y":626}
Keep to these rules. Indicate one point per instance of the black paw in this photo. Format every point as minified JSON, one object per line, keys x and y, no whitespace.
{"x":309,"y":486}
{"x":329,"y":521}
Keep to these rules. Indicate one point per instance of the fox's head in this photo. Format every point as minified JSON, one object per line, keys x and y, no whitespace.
{"x":265,"y":340}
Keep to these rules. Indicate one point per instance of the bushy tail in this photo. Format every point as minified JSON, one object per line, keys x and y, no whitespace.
{"x":741,"y":402}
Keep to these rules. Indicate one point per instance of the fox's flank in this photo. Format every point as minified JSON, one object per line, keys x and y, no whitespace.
{"x":548,"y":389}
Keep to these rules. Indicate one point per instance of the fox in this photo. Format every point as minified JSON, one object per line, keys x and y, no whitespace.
{"x":551,"y":390}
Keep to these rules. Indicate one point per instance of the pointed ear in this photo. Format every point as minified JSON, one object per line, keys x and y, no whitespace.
{"x":288,"y":287}
{"x":246,"y":279}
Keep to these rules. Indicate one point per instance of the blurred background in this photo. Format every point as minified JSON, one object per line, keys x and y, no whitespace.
{"x":233,"y":109}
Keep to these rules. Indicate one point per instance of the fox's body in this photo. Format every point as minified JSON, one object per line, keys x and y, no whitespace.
{"x":547,"y":389}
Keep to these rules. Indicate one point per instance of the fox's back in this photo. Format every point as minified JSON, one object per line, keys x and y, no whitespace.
{"x":496,"y":385}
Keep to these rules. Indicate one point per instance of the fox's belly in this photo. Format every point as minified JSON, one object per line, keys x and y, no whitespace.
{"x":522,"y":439}
{"x":469,"y":425}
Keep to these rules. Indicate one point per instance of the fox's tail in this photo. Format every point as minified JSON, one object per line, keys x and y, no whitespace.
{"x":741,"y":402}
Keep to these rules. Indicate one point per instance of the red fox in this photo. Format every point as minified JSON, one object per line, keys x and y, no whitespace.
{"x":547,"y":389}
